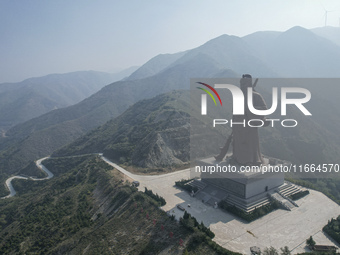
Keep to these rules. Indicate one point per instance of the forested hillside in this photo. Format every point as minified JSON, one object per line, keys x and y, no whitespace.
{"x":88,"y":209}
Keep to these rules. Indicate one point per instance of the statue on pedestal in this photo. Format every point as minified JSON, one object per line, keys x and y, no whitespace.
{"x":245,"y":139}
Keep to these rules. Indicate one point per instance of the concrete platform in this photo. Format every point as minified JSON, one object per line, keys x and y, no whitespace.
{"x":277,"y":229}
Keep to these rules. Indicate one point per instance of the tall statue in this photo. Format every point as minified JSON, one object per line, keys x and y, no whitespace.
{"x":245,"y":139}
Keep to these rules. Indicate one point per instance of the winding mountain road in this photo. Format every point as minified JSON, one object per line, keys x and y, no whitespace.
{"x":141,"y":178}
{"x":38,"y":164}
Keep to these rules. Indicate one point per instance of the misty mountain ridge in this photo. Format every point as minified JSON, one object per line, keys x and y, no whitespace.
{"x":151,"y":133}
{"x":328,"y":32}
{"x":216,"y":57}
{"x":261,"y":54}
{"x":155,"y":65}
{"x":33,"y":97}
{"x":46,"y":133}
{"x":155,"y":133}
{"x":316,"y":56}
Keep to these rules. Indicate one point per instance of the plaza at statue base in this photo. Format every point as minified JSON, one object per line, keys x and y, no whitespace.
{"x":245,"y":190}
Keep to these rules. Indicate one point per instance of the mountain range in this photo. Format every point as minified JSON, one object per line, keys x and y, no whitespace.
{"x":166,"y":131}
{"x":33,"y":97}
{"x":330,"y":33}
{"x":307,"y":55}
{"x":148,"y":122}
{"x":297,"y":52}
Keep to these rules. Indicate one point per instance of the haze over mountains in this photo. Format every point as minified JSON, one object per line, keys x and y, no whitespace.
{"x":330,"y":33}
{"x":166,"y":130}
{"x":295,"y":53}
{"x":152,"y":133}
{"x":33,"y":97}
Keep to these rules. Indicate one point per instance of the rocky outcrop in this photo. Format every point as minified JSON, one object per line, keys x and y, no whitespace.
{"x":169,"y":147}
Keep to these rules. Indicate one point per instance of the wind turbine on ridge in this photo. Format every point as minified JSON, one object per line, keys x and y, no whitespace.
{"x":326,"y":13}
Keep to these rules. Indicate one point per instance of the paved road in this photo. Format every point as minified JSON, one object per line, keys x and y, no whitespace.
{"x":10,"y":187}
{"x":141,"y":178}
{"x":42,"y":167}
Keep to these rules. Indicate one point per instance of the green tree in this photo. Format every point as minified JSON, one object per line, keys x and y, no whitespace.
{"x":270,"y":251}
{"x":310,"y":242}
{"x":3,"y":219}
{"x":285,"y":251}
{"x":186,"y":215}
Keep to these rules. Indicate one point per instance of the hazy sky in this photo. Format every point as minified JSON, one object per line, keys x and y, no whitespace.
{"x":39,"y":37}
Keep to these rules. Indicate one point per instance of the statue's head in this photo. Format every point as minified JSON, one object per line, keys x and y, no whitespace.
{"x":246,"y":81}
